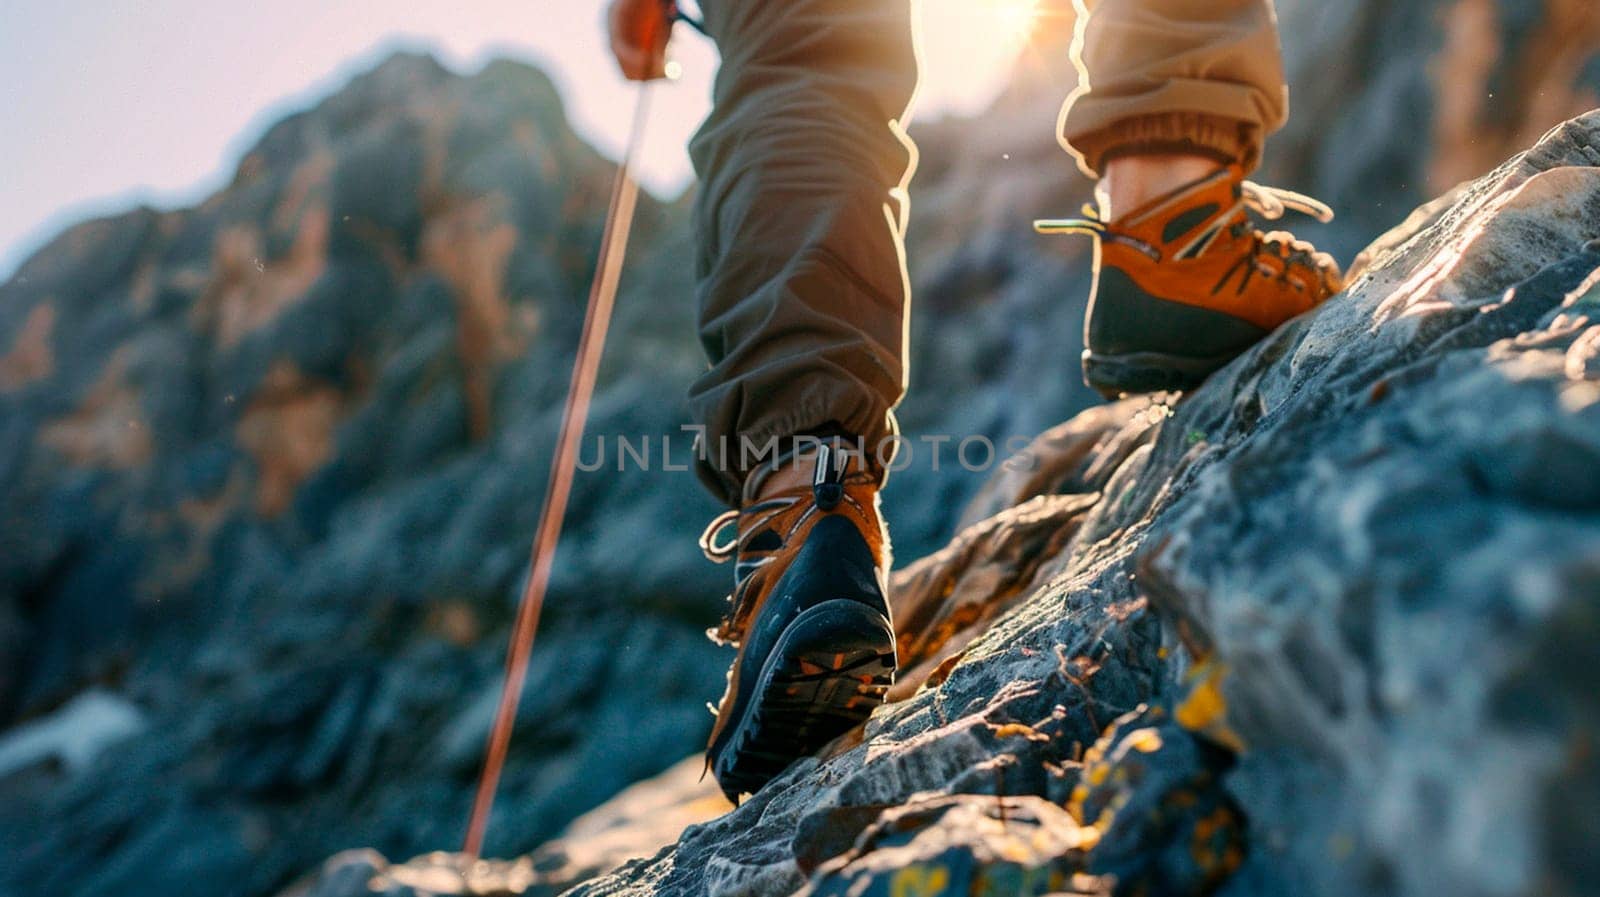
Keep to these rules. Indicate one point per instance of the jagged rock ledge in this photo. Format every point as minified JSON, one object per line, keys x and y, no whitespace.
{"x":1327,"y":625}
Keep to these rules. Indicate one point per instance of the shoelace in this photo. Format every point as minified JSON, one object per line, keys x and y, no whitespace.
{"x":769,"y":509}
{"x":720,"y":553}
{"x":829,"y":478}
{"x":1285,"y":245}
{"x":1271,"y":202}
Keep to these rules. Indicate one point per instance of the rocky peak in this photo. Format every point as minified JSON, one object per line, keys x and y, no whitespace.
{"x":243,"y":441}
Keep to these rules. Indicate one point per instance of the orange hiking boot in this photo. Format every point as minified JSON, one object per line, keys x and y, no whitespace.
{"x":1186,"y":283}
{"x":816,"y":647}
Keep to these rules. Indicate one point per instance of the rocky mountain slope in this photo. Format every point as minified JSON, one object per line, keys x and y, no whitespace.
{"x":270,"y":464}
{"x":1326,"y":625}
{"x":270,"y":469}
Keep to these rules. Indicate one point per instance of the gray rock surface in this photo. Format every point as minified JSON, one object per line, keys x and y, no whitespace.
{"x":1344,"y":595}
{"x":1324,"y":626}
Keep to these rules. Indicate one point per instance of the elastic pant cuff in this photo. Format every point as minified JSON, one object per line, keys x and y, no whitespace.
{"x":1190,"y":133}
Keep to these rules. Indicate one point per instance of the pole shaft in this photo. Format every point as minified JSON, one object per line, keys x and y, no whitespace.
{"x":597,"y":320}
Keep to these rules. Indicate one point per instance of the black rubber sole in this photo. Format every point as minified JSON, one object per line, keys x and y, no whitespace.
{"x":830,"y":669}
{"x":1144,"y":372}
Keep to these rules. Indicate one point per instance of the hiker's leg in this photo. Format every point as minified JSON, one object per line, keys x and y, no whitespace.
{"x":1175,"y":77}
{"x":1174,"y":101}
{"x":799,"y":223}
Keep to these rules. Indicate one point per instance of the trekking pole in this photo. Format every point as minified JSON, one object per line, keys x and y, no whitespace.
{"x":602,"y":296}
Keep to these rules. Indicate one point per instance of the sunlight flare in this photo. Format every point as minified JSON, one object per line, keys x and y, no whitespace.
{"x":970,"y":46}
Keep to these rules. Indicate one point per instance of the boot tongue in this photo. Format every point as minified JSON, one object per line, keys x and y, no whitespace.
{"x":827,"y":485}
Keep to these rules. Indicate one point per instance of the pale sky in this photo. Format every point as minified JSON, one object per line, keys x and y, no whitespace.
{"x":107,"y":103}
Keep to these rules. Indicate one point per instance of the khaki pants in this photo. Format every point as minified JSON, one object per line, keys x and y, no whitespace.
{"x":803,"y":164}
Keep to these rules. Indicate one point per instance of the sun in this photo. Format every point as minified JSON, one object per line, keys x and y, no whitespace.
{"x":1014,"y":18}
{"x":969,"y":48}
